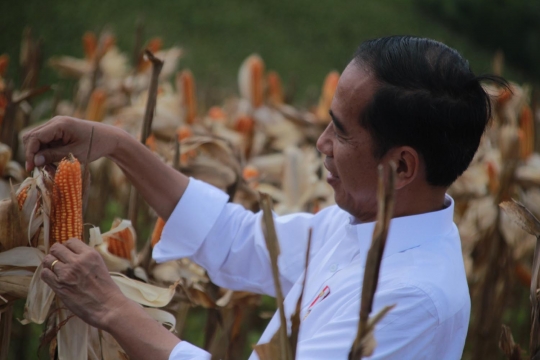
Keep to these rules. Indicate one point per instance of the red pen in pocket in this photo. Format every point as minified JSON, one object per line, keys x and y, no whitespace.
{"x":322,"y":295}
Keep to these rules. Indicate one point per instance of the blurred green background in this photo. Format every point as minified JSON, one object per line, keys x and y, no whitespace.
{"x":302,"y":40}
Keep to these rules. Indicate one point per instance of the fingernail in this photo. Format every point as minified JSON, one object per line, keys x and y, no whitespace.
{"x":26,"y":166}
{"x":39,"y":160}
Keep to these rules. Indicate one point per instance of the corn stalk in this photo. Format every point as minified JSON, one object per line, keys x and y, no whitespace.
{"x":493,"y":263}
{"x":157,"y":65}
{"x":364,"y":344}
{"x":270,"y":235}
{"x":528,"y":222}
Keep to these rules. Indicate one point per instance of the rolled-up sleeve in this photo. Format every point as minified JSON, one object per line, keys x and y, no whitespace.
{"x":186,"y":351}
{"x":191,"y":220}
{"x":227,"y":240}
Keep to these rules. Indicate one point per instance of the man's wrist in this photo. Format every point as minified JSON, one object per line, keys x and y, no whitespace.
{"x":114,"y":310}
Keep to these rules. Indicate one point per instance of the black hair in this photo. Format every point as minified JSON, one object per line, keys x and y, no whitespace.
{"x":428,"y":98}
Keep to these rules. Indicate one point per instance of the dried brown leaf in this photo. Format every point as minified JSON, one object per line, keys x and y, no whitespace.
{"x":385,"y":202}
{"x":522,"y":216}
{"x":272,"y":245}
{"x":507,"y":344}
{"x":295,"y":318}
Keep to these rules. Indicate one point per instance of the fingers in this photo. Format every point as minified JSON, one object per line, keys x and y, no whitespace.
{"x":62,"y":253}
{"x":77,"y":246}
{"x":50,"y":278}
{"x":51,"y":155}
{"x":48,"y":261}
{"x":39,"y":137}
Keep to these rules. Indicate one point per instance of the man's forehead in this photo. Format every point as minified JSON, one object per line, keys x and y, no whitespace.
{"x":355,"y":89}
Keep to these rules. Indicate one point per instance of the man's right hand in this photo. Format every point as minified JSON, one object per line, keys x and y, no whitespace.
{"x":62,"y":135}
{"x":159,"y":184}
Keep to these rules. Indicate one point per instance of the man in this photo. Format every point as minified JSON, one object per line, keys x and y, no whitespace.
{"x":405,"y":100}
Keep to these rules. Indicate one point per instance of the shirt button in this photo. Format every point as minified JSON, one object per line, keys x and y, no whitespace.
{"x":333,"y":267}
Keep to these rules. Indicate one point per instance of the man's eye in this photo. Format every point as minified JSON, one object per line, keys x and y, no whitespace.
{"x":337,"y":135}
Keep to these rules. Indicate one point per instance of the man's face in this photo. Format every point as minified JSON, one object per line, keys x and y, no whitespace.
{"x":349,"y":147}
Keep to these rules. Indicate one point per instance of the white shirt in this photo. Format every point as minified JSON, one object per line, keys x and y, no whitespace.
{"x":422,"y":272}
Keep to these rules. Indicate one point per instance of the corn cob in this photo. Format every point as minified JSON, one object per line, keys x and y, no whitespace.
{"x":187,"y":157}
{"x":186,"y":82}
{"x":151,"y":142}
{"x":523,"y":274}
{"x":328,"y":90}
{"x":158,"y":229}
{"x":275,"y":90}
{"x":526,"y":124}
{"x":89,"y":45}
{"x":504,"y":96}
{"x":96,"y":106}
{"x":251,"y":176}
{"x":122,"y":243}
{"x":21,"y":197}
{"x":246,"y":126}
{"x":216,"y":114}
{"x":154,"y":45}
{"x":4,"y":62}
{"x":250,"y":173}
{"x":493,"y":178}
{"x":183,"y":132}
{"x":3,"y":105}
{"x":67,"y":201}
{"x":257,"y":86}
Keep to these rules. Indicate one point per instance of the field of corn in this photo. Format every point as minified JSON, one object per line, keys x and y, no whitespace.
{"x":250,"y":143}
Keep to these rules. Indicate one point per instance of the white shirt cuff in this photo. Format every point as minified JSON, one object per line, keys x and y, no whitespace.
{"x":191,"y":221}
{"x":186,"y":351}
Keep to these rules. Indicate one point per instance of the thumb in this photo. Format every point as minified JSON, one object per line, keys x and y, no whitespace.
{"x":47,"y":156}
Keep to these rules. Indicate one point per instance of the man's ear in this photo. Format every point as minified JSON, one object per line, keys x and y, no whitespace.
{"x":407,"y":162}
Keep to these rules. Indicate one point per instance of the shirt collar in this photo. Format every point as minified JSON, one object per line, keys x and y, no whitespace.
{"x":409,"y":231}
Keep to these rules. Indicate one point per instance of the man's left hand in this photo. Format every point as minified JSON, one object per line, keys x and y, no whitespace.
{"x":79,"y":277}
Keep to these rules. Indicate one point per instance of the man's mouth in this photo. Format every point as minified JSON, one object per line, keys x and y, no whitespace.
{"x":332,"y":175}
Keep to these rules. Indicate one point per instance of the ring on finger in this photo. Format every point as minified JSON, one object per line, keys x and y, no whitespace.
{"x":53,"y":263}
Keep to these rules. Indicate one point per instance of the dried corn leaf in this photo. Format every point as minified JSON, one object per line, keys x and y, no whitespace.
{"x":16,"y":286}
{"x":163,"y":317}
{"x":295,"y":318}
{"x":270,"y":350}
{"x":72,"y":337}
{"x":144,"y":294}
{"x":21,"y":257}
{"x":100,"y":243}
{"x":39,"y":300}
{"x":272,"y":245}
{"x":522,"y":216}
{"x":364,"y":344}
{"x":507,"y":344}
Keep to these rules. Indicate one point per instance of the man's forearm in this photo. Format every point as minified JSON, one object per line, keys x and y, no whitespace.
{"x":159,"y":184}
{"x":138,"y":334}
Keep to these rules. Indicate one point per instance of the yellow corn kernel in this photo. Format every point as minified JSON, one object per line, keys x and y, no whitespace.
{"x":67,"y":201}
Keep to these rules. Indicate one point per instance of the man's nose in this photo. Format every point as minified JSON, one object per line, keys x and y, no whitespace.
{"x":324,"y":143}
